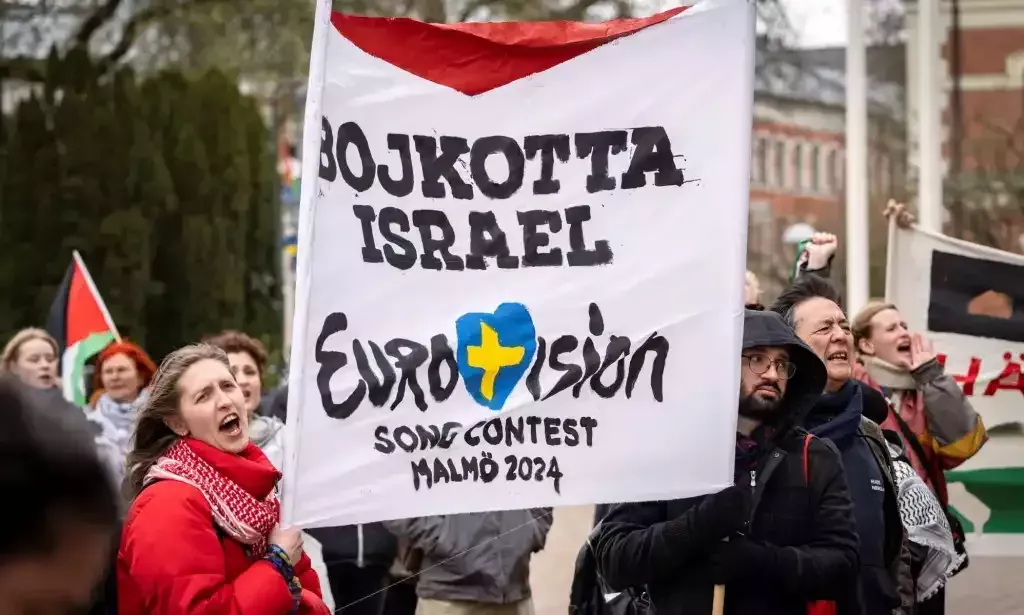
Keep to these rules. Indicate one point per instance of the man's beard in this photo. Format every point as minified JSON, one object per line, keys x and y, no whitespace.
{"x":754,"y":406}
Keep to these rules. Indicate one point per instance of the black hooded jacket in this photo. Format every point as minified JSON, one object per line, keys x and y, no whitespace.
{"x":804,"y":530}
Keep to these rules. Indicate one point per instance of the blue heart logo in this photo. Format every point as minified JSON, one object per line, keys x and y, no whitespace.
{"x":495,"y":350}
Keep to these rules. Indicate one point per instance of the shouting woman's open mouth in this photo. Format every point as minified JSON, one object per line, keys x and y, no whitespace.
{"x":231,"y":425}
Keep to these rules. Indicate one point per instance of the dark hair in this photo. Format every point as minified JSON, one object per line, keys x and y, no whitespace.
{"x":807,"y":286}
{"x":235,"y":341}
{"x":50,"y":472}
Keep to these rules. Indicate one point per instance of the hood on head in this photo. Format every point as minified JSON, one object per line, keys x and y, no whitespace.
{"x":804,"y":388}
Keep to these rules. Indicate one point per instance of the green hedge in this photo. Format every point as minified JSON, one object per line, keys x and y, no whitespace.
{"x":166,"y":185}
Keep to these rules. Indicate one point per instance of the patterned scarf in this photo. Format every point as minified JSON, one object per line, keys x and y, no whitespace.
{"x":121,"y":416}
{"x":926,"y":525}
{"x":240,"y":515}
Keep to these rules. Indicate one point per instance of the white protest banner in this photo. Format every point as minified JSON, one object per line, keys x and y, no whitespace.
{"x":519,"y":271}
{"x":970,"y":300}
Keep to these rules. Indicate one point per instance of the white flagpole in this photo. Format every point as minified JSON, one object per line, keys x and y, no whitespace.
{"x":890,"y":258}
{"x":930,"y":96}
{"x":307,"y":205}
{"x":857,"y":240}
{"x":96,"y":293}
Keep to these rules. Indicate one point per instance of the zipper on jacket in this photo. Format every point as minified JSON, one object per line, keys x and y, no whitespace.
{"x":766,"y":471}
{"x":359,"y":553}
{"x":753,"y":489}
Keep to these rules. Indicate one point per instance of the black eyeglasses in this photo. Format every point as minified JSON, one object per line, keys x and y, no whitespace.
{"x":759,"y":364}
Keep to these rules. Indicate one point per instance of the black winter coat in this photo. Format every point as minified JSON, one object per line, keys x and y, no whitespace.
{"x":370,"y":544}
{"x":807,"y":528}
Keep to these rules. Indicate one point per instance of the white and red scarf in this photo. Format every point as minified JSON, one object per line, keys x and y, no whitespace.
{"x":241,"y":516}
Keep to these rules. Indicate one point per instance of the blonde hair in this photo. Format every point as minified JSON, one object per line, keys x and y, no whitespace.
{"x":13,"y":347}
{"x":861,"y":325}
{"x":152,"y":434}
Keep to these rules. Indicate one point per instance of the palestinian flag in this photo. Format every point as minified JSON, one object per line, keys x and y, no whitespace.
{"x":81,"y":325}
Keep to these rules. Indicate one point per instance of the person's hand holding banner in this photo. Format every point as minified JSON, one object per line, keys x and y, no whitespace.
{"x":897,"y":210}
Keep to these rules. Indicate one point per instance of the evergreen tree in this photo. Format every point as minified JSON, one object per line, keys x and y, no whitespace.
{"x":263,"y":305}
{"x":165,"y":187}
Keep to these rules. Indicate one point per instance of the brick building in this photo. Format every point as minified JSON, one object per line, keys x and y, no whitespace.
{"x":992,"y":113}
{"x":798,"y":158}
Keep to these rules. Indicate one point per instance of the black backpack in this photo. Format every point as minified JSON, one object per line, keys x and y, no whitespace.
{"x":590,"y":595}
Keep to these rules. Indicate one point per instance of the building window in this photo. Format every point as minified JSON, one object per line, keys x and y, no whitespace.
{"x":798,"y":167}
{"x":880,"y":174}
{"x":780,"y":164}
{"x":761,"y":161}
{"x":832,"y":171}
{"x":761,"y":233}
{"x":815,"y":169}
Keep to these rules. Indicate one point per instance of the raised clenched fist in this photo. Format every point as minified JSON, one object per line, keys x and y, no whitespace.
{"x":820,"y":250}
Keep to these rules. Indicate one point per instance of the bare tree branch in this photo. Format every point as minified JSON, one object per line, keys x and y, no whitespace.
{"x":471,"y":8}
{"x":96,"y":20}
{"x":143,"y":19}
{"x":623,"y":9}
{"x":575,"y":12}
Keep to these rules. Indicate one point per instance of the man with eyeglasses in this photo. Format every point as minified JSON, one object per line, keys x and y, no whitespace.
{"x":811,"y":306}
{"x":781,"y":538}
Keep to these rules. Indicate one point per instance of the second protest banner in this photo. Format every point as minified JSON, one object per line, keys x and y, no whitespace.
{"x":520,"y":268}
{"x":968,"y":298}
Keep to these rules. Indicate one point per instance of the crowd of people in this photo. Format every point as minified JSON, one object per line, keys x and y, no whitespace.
{"x":845,"y":426}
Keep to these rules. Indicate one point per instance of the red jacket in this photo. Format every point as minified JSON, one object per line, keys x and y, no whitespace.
{"x":173,"y":561}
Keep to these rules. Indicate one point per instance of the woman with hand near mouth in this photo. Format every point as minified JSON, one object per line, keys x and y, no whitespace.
{"x":939,"y":427}
{"x":202,"y":536}
{"x":248,"y":359}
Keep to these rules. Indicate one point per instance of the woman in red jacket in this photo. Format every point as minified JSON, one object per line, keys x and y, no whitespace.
{"x":202,"y":534}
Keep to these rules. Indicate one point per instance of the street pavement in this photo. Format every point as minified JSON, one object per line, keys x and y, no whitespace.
{"x":990,"y":586}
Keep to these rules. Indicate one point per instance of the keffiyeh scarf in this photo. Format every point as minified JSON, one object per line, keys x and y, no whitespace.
{"x":121,"y":416}
{"x":926,"y":525}
{"x":240,"y":515}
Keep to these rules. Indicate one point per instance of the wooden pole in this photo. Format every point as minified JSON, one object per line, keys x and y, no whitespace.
{"x":718,"y":605}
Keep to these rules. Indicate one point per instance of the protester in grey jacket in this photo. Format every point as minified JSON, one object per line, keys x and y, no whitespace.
{"x":476,"y":563}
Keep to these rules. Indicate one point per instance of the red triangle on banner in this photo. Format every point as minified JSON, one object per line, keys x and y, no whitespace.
{"x":473,"y":58}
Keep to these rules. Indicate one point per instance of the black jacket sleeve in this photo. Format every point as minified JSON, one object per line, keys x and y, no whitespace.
{"x":822,"y":568}
{"x":638,"y":544}
{"x":629,"y":545}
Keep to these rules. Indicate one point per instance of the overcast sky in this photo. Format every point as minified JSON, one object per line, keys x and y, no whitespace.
{"x":820,"y":23}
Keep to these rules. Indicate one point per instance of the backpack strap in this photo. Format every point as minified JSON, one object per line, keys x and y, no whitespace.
{"x":807,"y":469}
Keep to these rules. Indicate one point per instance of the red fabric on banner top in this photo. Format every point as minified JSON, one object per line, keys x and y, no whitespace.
{"x":473,"y":58}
